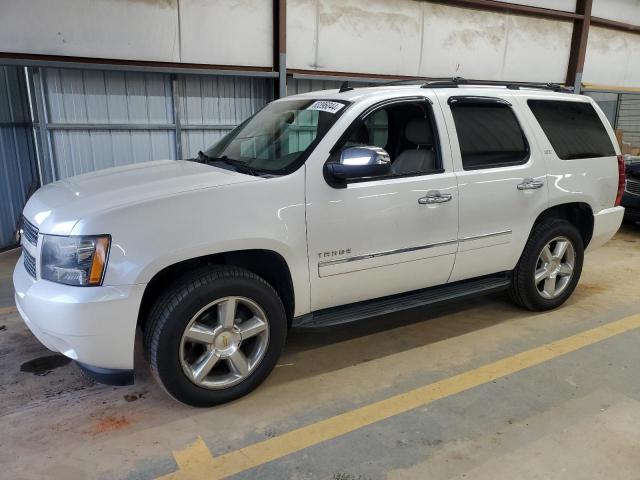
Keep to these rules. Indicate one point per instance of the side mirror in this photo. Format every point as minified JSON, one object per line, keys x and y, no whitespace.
{"x":360,"y":162}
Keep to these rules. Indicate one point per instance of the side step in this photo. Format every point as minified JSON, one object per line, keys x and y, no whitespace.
{"x":419,"y":298}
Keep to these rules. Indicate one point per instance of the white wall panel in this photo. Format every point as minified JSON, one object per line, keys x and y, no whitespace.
{"x":537,"y":49}
{"x":612,"y":58}
{"x":302,"y":31}
{"x":377,"y":36}
{"x":464,"y":42}
{"x":490,"y":45}
{"x":229,"y":32}
{"x":405,"y":37}
{"x":627,"y":11}
{"x":387,"y":30}
{"x":132,"y":29}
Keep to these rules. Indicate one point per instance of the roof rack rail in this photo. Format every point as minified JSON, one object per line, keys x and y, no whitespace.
{"x":455,"y":82}
{"x":415,"y":80}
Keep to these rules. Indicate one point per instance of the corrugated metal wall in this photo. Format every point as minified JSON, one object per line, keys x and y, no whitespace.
{"x":210,"y":106}
{"x":608,"y":102}
{"x":18,"y":171}
{"x":101,"y":119}
{"x":629,"y":118}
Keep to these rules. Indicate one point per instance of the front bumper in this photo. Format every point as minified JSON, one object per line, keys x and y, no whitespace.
{"x":605,"y":225}
{"x":94,"y":325}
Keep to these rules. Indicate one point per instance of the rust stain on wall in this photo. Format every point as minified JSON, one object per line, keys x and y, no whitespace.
{"x":472,"y":26}
{"x":356,"y":18}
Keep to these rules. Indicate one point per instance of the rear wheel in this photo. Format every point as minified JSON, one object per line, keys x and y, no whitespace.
{"x":215,"y":335}
{"x":550,"y":266}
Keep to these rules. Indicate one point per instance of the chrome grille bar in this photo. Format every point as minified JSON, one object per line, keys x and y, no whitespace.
{"x":29,"y":231}
{"x":29,"y":263}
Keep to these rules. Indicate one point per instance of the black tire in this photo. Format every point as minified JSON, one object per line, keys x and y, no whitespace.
{"x":523,"y":290}
{"x":172,"y":312}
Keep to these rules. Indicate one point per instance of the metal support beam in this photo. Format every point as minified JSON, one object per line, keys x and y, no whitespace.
{"x":85,"y":63}
{"x":176,"y":95}
{"x":579,"y":44}
{"x":280,"y":46}
{"x":45,"y":157}
{"x":512,"y":7}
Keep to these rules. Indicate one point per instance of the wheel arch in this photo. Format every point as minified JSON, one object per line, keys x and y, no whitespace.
{"x":267,"y":264}
{"x":578,"y":214}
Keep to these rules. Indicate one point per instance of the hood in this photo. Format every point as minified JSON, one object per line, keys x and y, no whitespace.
{"x":57,"y":207}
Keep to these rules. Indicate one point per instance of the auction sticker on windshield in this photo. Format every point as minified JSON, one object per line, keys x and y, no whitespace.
{"x":326,"y":106}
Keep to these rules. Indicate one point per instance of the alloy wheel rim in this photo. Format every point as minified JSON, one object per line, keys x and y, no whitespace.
{"x":554,"y":268}
{"x":224,"y":342}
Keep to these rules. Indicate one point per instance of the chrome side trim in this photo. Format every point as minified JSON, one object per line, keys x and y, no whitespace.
{"x":486,"y":235}
{"x":385,"y":253}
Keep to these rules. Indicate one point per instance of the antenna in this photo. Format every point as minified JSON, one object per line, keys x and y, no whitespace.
{"x":345,"y":87}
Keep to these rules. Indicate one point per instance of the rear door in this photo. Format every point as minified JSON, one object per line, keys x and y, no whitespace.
{"x":501,"y":180}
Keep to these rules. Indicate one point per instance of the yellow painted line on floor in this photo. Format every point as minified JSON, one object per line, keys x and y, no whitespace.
{"x":5,"y":310}
{"x":196,"y":460}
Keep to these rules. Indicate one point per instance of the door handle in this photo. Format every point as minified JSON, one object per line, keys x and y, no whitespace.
{"x":530,"y":184}
{"x":435,"y":197}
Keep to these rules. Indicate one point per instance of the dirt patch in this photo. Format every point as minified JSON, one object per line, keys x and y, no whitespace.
{"x":592,"y":288}
{"x":132,"y":397}
{"x":42,"y":366}
{"x":110,"y":424}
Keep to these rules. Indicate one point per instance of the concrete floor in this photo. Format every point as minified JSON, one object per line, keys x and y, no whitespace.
{"x":573,"y":416}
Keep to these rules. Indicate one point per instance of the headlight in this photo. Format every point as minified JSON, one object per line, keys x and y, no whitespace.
{"x":79,"y":261}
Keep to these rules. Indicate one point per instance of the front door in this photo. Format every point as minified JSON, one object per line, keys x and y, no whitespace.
{"x":383,"y":236}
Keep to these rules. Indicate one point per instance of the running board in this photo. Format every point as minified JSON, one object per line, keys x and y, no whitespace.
{"x":381,"y":306}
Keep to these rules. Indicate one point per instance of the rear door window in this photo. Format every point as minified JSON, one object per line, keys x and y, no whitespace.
{"x":574,"y":129}
{"x":488,"y":133}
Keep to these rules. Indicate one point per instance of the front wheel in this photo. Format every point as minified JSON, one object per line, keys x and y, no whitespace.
{"x":215,"y":335}
{"x":550,"y":266}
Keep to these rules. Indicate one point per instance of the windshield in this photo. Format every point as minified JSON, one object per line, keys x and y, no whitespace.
{"x":278,"y":138}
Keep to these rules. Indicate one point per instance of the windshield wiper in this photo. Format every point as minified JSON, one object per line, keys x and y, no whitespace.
{"x":237,"y":165}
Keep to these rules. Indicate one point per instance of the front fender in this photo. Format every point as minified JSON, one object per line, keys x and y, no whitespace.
{"x":147,"y":237}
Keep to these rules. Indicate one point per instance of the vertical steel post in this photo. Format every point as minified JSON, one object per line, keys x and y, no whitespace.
{"x":280,"y":46}
{"x":177,"y":120}
{"x":45,"y":157}
{"x":579,"y":44}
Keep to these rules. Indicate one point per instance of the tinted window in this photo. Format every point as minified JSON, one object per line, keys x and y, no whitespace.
{"x":372,"y":131}
{"x":573,"y":128}
{"x":405,"y":130}
{"x":489,"y":135}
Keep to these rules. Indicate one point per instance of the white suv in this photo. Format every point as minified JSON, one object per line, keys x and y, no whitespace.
{"x":321,"y":209}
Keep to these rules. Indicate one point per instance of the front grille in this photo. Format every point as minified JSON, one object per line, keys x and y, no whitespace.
{"x":29,"y":231}
{"x":633,"y":186}
{"x":29,"y":263}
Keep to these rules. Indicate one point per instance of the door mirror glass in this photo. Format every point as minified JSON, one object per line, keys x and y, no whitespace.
{"x":361,"y":162}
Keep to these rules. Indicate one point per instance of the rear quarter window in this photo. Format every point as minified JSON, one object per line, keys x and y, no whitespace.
{"x":574,"y":129}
